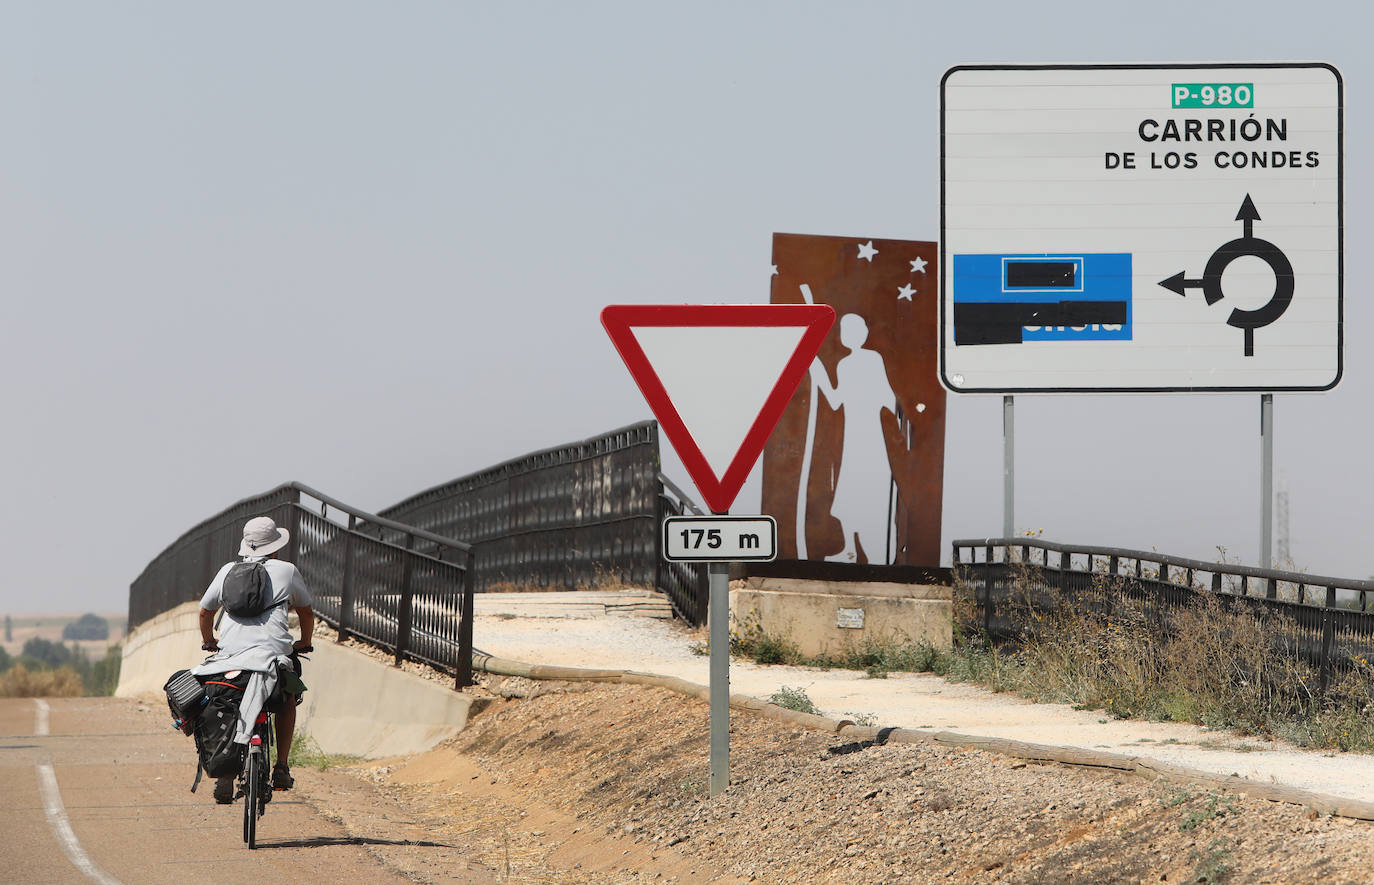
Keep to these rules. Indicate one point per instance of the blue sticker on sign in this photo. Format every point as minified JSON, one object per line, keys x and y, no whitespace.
{"x":1008,"y":299}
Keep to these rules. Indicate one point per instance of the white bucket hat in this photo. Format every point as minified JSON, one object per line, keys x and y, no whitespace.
{"x":261,"y":537}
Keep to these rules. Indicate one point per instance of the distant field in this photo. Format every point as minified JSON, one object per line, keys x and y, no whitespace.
{"x":48,"y":625}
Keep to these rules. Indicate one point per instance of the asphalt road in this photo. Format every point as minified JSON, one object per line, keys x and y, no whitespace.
{"x":98,"y":790}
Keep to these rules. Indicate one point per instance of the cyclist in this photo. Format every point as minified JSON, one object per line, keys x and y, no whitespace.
{"x":261,"y":644}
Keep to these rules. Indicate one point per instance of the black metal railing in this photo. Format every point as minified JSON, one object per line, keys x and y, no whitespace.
{"x":684,"y":583}
{"x":405,"y":589}
{"x":574,"y":516}
{"x":1330,"y":618}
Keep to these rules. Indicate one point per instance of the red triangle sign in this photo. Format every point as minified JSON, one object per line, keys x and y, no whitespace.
{"x":718,"y":377}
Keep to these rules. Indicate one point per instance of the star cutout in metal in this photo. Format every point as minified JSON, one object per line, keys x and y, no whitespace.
{"x":866,"y":251}
{"x":775,"y":271}
{"x":905,"y":292}
{"x":918,"y":265}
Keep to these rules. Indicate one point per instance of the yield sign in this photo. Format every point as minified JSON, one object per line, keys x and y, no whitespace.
{"x":718,"y":377}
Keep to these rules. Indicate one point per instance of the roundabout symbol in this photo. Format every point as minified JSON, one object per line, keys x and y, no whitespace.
{"x":1246,"y":244}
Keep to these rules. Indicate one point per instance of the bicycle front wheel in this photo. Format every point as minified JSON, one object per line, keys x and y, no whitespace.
{"x":252,"y":776}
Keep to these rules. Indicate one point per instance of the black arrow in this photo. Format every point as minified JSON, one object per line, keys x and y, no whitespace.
{"x":1178,"y":283}
{"x":1248,"y":214}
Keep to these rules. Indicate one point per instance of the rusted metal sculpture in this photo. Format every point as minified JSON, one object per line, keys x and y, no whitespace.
{"x":867,"y":431}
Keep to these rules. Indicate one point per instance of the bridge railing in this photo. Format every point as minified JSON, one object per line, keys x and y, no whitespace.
{"x":579,"y":515}
{"x":1331,"y":618}
{"x":402,"y":588}
{"x":683,"y":582}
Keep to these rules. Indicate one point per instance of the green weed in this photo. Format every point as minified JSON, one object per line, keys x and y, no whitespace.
{"x":794,"y":699}
{"x":305,"y":752}
{"x":1217,"y":805}
{"x":1213,"y":864}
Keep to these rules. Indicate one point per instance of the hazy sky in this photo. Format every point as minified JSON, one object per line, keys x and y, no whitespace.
{"x":365,"y":246}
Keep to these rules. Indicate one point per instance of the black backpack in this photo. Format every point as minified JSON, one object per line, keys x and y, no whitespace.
{"x":247,"y":590}
{"x":217,"y":724}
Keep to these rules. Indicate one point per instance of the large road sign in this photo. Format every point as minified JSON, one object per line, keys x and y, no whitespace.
{"x":1141,"y":227}
{"x":717,"y":378}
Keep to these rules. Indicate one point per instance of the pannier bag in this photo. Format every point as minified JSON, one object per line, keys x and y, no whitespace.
{"x":185,"y":698}
{"x":218,"y":722}
{"x":207,"y":708}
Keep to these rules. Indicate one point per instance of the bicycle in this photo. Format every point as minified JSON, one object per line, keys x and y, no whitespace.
{"x":253,"y":783}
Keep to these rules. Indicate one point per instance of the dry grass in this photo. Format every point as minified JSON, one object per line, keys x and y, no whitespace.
{"x":1213,"y":663}
{"x":21,"y":682}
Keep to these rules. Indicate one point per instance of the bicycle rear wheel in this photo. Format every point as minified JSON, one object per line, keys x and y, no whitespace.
{"x":251,"y":799}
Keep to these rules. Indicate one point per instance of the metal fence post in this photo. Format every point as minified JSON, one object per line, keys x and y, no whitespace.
{"x":659,"y":507}
{"x":293,"y":525}
{"x":987,"y":591}
{"x":346,"y":586}
{"x":469,"y":614}
{"x":405,"y":614}
{"x":1328,"y":637}
{"x":210,"y":557}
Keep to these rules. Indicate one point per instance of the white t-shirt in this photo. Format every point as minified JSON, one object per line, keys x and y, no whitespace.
{"x":271,"y":628}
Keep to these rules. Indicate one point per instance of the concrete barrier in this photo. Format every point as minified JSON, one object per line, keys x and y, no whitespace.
{"x":824,"y":617}
{"x":157,"y":648}
{"x":356,"y":705}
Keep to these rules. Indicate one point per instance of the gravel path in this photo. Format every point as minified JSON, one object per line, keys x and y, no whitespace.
{"x":571,"y":629}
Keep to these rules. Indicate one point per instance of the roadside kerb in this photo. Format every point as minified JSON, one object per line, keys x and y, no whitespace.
{"x":1072,"y":756}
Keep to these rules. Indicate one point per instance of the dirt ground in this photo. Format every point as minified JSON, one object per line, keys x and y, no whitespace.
{"x":589,"y":783}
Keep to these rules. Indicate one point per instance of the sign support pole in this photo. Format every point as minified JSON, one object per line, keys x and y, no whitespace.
{"x":1008,"y":466}
{"x":718,"y":576}
{"x":1266,"y":479}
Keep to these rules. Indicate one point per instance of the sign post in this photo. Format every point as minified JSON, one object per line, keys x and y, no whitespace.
{"x":718,"y":583}
{"x":718,"y":411}
{"x":1008,"y":466}
{"x":1266,"y":480}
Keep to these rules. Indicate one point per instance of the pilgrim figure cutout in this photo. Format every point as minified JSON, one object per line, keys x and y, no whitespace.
{"x":861,"y":496}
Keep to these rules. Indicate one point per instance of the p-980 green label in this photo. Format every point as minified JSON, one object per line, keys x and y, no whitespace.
{"x":1214,"y":95}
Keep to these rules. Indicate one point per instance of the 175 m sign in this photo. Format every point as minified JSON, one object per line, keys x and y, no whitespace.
{"x":719,"y":538}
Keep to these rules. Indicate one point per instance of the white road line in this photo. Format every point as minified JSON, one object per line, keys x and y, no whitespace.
{"x":62,"y":828}
{"x":57,"y":812}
